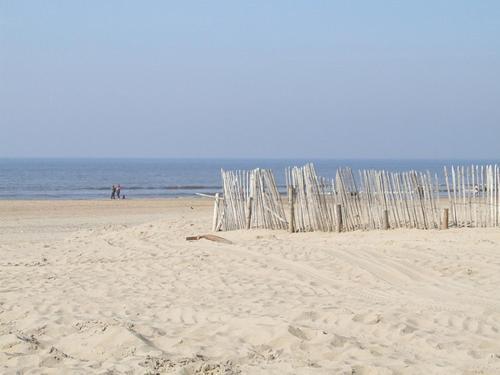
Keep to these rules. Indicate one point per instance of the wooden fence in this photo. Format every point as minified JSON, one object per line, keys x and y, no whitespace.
{"x":250,"y":200}
{"x":473,"y":195}
{"x":376,"y":200}
{"x":464,"y":196}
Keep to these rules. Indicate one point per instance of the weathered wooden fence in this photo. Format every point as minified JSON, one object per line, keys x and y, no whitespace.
{"x":250,"y":200}
{"x":465,"y":196}
{"x":376,"y":200}
{"x":473,"y":195}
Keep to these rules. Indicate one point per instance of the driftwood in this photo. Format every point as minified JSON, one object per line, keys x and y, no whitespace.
{"x":207,"y":195}
{"x":210,"y":237}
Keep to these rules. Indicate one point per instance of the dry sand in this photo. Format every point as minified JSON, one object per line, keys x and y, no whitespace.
{"x":113,"y":288}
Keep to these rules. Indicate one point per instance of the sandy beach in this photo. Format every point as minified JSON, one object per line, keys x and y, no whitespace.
{"x":114,"y":288}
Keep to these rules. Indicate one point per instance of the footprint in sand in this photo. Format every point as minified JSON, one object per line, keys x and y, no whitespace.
{"x":297,"y":332}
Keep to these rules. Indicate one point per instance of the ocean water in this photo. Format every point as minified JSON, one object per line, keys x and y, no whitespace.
{"x":156,"y":178}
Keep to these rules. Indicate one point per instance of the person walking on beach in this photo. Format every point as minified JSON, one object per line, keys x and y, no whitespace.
{"x":118,"y":191}
{"x":113,"y":192}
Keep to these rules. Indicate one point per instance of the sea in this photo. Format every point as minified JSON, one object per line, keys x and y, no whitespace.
{"x":58,"y":178}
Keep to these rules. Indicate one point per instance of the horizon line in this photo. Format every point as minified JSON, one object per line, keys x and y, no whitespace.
{"x":235,"y":158}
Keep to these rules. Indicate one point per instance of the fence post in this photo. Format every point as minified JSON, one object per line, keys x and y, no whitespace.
{"x":249,"y":212}
{"x":291,"y":201}
{"x":386,"y":220}
{"x":444,"y":218}
{"x":216,"y":212}
{"x":338,"y":215}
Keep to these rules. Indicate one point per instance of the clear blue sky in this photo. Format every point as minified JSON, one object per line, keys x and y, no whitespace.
{"x":334,"y":79}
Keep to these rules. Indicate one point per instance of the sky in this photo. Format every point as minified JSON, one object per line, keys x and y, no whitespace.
{"x":250,"y":79}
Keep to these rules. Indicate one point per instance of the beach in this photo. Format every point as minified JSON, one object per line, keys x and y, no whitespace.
{"x":113,"y":287}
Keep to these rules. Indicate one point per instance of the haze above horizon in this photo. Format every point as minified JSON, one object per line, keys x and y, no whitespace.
{"x":326,"y":79}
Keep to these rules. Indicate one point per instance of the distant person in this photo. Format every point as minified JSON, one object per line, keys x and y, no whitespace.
{"x":118,"y":191}
{"x":113,"y":192}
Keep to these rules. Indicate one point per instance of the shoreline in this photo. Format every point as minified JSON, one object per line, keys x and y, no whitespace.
{"x":152,"y":198}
